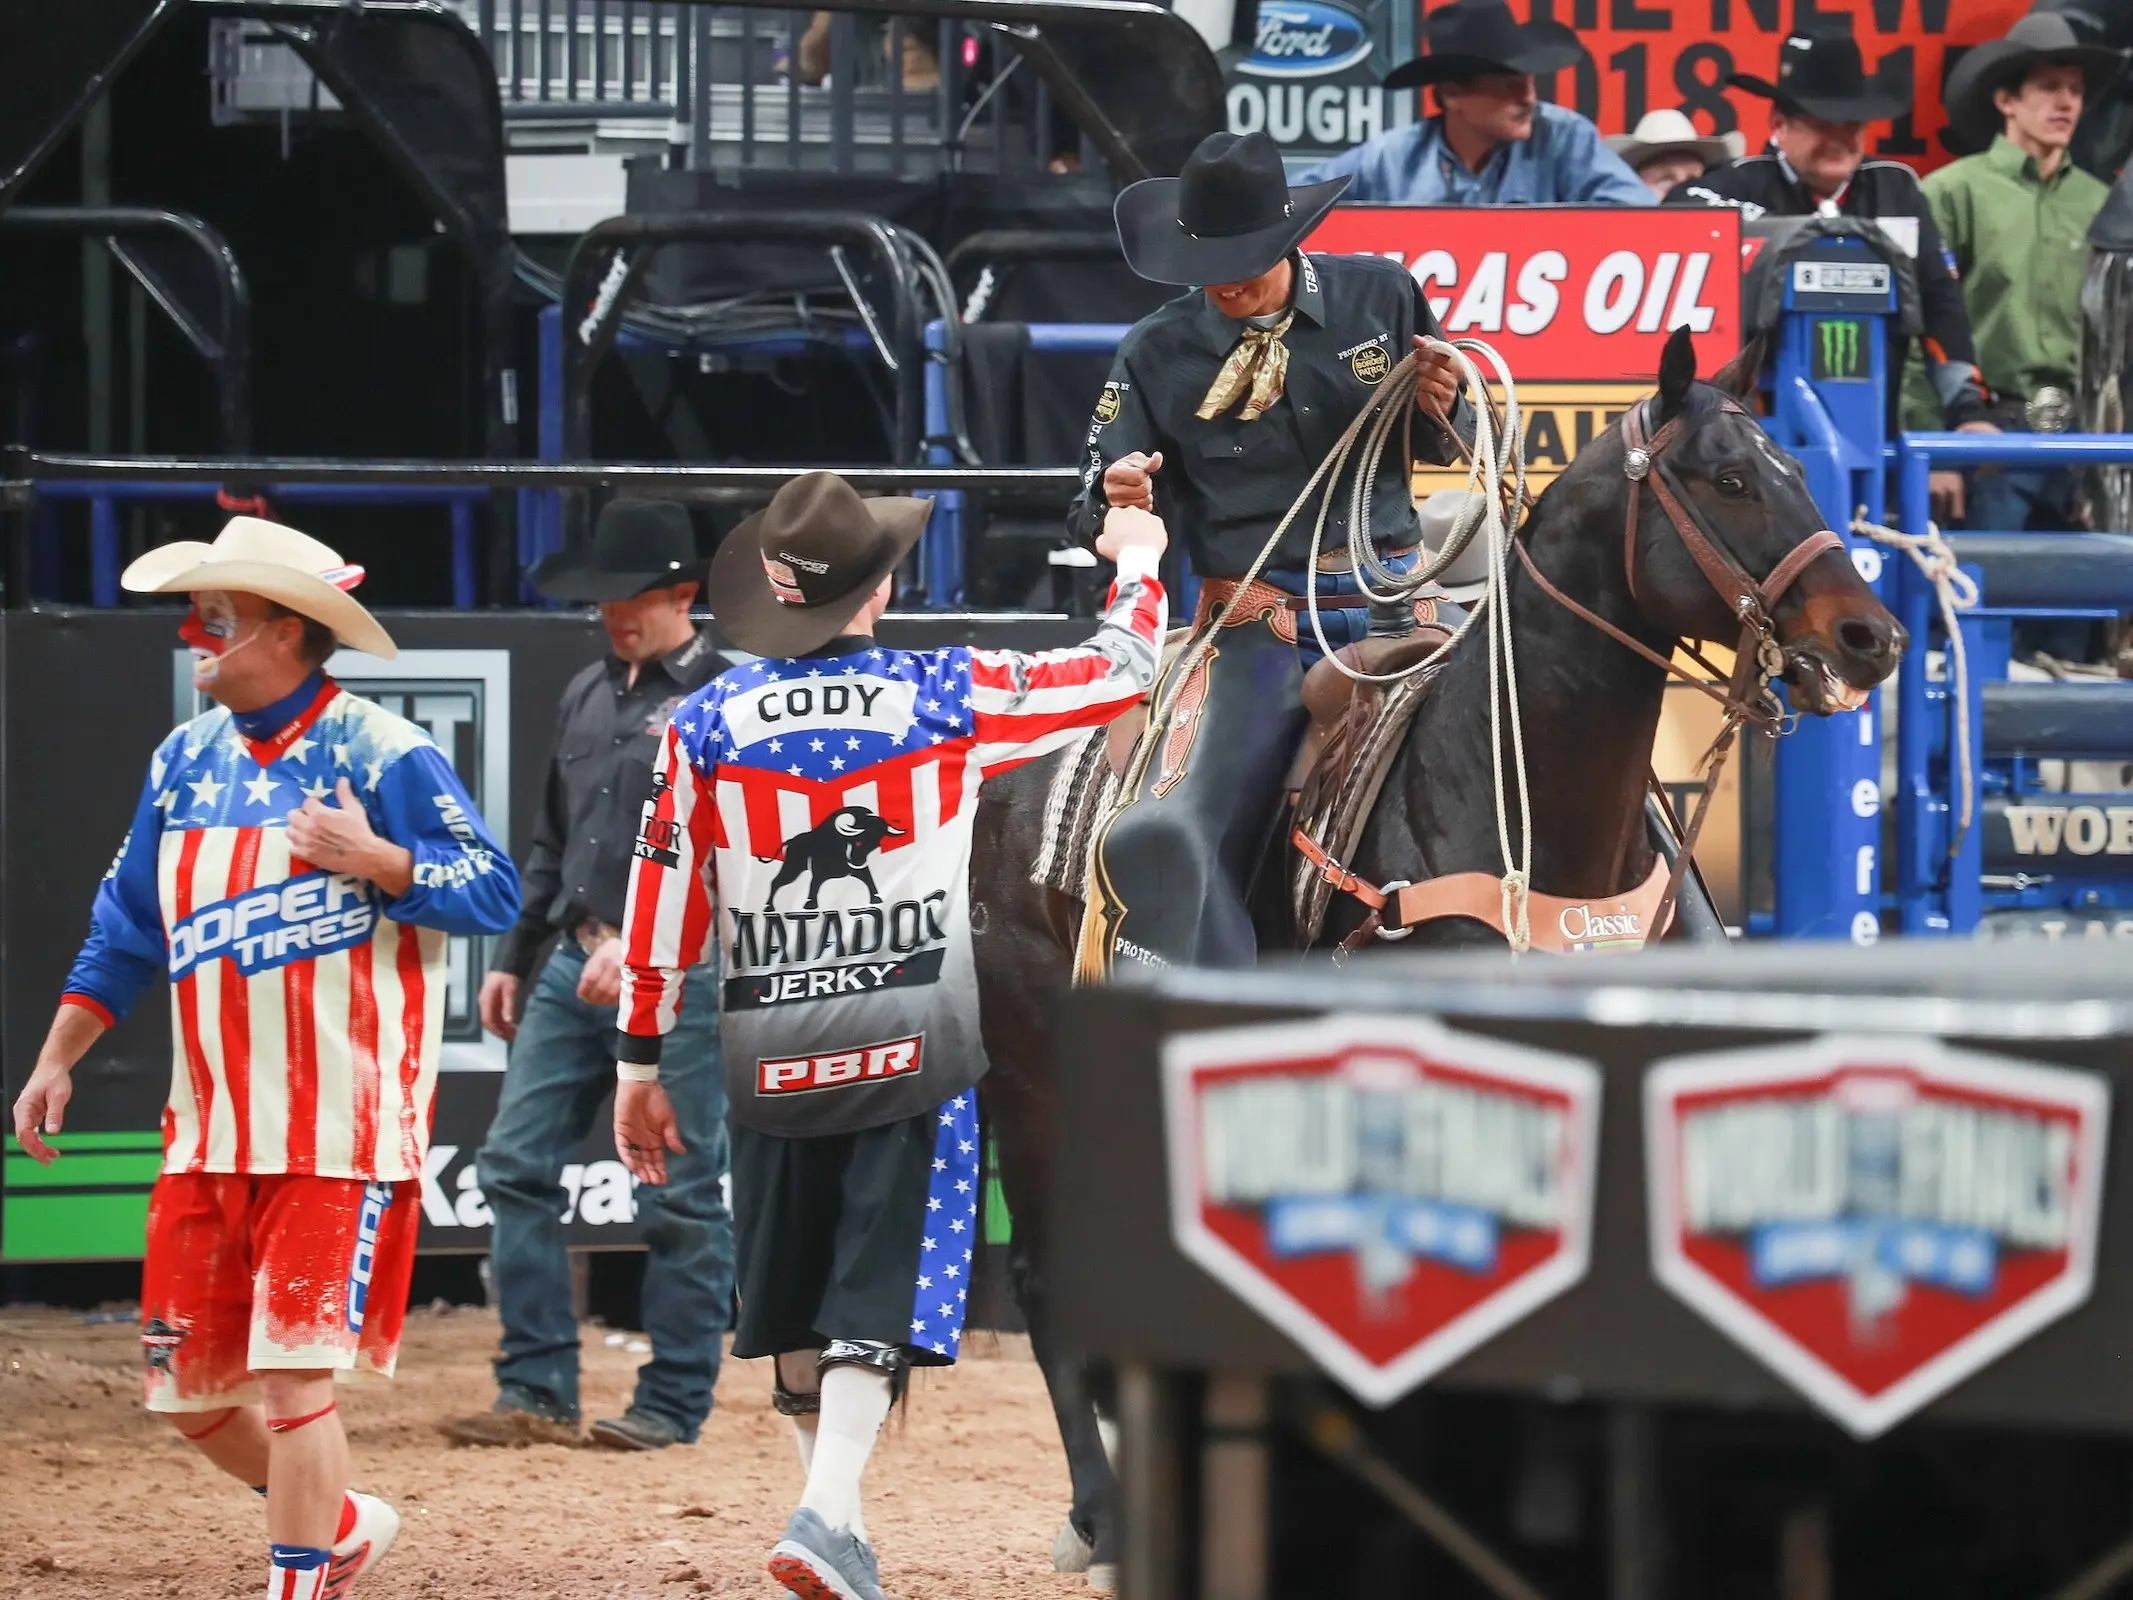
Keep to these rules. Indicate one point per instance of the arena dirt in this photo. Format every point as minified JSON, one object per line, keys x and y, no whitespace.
{"x":98,"y":1499}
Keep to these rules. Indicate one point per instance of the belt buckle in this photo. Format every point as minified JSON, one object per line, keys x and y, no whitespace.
{"x":2049,"y":410}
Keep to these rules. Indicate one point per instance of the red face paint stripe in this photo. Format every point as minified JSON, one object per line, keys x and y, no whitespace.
{"x":236,"y":1016}
{"x":363,"y":1054}
{"x":188,"y":999}
{"x":408,"y":961}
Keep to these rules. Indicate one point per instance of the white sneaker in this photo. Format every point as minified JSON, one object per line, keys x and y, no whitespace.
{"x":376,"y":1526}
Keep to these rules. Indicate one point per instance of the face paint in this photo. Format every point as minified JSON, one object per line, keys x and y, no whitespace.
{"x":211,"y":630}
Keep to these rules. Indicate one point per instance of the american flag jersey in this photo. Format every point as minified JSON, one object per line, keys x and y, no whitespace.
{"x":305,"y":1006}
{"x":822,"y":808}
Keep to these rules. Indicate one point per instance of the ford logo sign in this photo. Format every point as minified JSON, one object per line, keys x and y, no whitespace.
{"x":1305,"y":39}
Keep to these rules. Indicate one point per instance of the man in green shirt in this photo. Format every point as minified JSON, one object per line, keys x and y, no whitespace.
{"x":2014,"y":221}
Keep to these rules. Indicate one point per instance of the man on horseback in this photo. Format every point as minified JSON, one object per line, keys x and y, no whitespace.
{"x":1220,"y":406}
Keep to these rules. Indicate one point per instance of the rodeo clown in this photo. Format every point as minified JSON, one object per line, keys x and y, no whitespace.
{"x":297,"y":858}
{"x":820,"y":800}
{"x":1219,"y":408}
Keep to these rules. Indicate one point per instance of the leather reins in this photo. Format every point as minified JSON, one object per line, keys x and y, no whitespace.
{"x":1758,"y":657}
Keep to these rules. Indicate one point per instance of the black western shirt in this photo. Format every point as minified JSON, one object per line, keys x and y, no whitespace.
{"x":599,"y":777}
{"x":1767,"y":185}
{"x":1225,"y":482}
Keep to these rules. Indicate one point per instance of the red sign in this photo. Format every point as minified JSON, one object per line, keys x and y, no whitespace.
{"x":1644,"y":54}
{"x":1387,"y":1193}
{"x":1873,"y":1219}
{"x":1562,"y":291}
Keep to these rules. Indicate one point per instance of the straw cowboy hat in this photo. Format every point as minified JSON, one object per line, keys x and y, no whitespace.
{"x":1821,"y":75}
{"x":2041,"y":39}
{"x":254,"y":556}
{"x":1667,"y":132}
{"x":1470,"y":37}
{"x":791,"y":576}
{"x":1228,"y":215}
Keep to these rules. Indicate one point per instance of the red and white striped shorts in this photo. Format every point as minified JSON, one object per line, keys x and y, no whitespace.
{"x":249,"y":1273}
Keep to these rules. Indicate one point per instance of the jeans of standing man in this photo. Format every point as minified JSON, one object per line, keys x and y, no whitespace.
{"x":2015,"y":501}
{"x":562,"y":1070}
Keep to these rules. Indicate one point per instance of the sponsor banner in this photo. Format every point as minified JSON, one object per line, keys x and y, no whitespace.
{"x":2065,"y":833}
{"x":1387,"y":1193}
{"x":1310,"y":76}
{"x":2056,"y":925}
{"x":1578,"y":305}
{"x":1874,"y":1219}
{"x":1645,"y":54}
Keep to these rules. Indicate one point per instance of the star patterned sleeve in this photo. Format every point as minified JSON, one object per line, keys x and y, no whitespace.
{"x":666,"y":922}
{"x":125,"y":950}
{"x":1025,"y":705}
{"x":464,"y":881}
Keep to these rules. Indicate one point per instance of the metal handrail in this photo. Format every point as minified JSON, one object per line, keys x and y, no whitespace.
{"x":229,"y":354}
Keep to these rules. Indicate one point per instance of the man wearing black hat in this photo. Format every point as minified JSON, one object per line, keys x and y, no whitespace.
{"x":812,"y":814}
{"x":2016,"y":217}
{"x":1824,"y":100}
{"x":1494,"y":141}
{"x":641,"y":571}
{"x":1220,"y":406}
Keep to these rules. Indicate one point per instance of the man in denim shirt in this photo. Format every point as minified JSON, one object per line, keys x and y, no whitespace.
{"x":642,"y":572}
{"x":1494,"y":141}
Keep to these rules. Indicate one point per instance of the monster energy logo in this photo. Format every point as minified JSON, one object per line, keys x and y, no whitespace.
{"x":1840,"y":350}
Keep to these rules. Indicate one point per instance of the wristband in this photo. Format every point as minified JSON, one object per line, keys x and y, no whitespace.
{"x":636,"y":1072}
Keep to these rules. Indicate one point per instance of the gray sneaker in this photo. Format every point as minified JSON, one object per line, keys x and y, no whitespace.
{"x":818,"y":1562}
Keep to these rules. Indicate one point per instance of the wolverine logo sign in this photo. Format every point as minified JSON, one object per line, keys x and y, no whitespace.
{"x":837,"y":847}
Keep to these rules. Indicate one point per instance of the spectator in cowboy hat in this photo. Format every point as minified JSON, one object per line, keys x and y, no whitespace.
{"x":2015,"y":216}
{"x":1665,"y":149}
{"x":1823,"y":100}
{"x":1493,"y":140}
{"x":642,"y":571}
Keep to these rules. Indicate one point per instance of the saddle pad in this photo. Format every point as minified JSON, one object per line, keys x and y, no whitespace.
{"x":1083,"y":791}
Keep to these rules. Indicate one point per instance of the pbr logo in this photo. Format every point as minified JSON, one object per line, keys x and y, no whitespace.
{"x":1387,"y":1193}
{"x":1874,"y":1219}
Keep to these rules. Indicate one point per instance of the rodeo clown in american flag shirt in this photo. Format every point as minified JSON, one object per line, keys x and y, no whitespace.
{"x":297,"y":858}
{"x":818,"y":804}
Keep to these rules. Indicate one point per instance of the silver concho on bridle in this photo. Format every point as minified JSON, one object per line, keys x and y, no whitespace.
{"x":1636,"y":462}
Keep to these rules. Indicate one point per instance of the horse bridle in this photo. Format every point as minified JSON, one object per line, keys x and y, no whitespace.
{"x":1759,"y":657}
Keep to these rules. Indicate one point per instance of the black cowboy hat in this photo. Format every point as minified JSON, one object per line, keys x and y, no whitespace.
{"x":1475,"y":36}
{"x":791,"y":576}
{"x":1821,"y":75}
{"x":2041,"y":39}
{"x":636,"y":545}
{"x":1228,"y":215}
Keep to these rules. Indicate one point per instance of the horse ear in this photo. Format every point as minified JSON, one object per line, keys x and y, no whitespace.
{"x":1739,"y":376}
{"x":1677,"y":370}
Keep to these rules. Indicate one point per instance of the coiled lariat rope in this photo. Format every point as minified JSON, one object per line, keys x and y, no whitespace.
{"x":1955,"y":590}
{"x":1494,"y":456}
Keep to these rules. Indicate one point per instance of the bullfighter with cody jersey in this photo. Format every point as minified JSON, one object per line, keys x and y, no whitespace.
{"x":297,"y":860}
{"x":815,"y":807}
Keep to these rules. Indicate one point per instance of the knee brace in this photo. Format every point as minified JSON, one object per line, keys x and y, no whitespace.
{"x":887,"y":1359}
{"x":792,"y":1402}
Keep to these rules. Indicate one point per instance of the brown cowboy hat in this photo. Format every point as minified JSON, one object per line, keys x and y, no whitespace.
{"x":2041,"y":39}
{"x":790,"y":577}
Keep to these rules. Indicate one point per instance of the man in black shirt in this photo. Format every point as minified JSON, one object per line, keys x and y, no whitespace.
{"x":1220,"y":406}
{"x":1816,"y":163}
{"x":641,"y":570}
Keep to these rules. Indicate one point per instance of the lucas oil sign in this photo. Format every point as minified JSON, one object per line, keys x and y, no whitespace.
{"x":1874,"y":1219}
{"x":1387,"y":1193}
{"x":1577,"y":303}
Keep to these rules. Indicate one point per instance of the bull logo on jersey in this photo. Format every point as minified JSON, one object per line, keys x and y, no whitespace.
{"x":1386,"y":1192}
{"x":837,"y":847}
{"x":1873,"y":1219}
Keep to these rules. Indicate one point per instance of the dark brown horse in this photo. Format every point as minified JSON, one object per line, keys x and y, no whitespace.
{"x":1590,"y":712}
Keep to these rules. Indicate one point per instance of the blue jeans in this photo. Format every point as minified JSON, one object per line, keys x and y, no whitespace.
{"x":562,"y":1070}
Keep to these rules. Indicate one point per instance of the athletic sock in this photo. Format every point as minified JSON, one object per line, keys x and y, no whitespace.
{"x":803,"y":1435}
{"x":297,"y":1572}
{"x":855,"y":1402}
